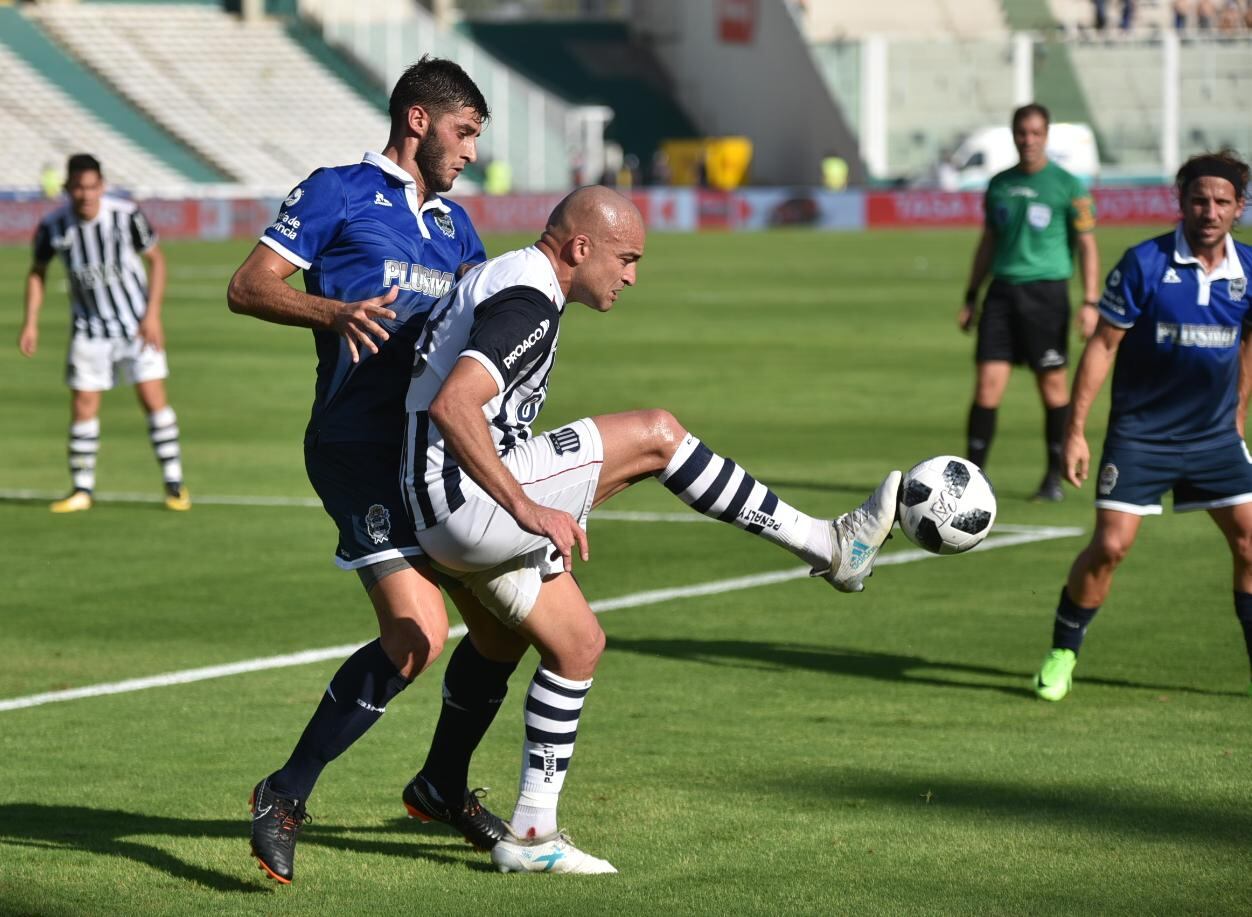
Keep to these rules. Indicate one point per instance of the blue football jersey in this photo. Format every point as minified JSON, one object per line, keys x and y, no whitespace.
{"x":1175,"y":382}
{"x":356,"y":231}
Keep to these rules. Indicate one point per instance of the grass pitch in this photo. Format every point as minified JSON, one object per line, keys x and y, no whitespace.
{"x":776,"y":749}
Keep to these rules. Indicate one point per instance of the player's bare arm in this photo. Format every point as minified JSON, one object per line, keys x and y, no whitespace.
{"x":260,"y":289}
{"x":151,"y":329}
{"x":28,"y":338}
{"x":458,"y":413}
{"x":1245,"y":383}
{"x":977,"y":274}
{"x":1093,"y":368}
{"x":1089,"y":264}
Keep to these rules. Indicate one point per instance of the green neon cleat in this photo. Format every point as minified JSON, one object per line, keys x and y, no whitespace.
{"x":1056,"y":675}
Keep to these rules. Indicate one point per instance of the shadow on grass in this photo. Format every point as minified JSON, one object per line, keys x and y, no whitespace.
{"x":1109,"y":809}
{"x":865,"y":664}
{"x":111,"y":832}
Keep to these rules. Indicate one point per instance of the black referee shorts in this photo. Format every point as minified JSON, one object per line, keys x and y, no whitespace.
{"x":1025,"y":323}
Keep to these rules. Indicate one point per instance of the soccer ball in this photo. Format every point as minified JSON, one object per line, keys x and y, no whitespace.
{"x":947,"y":504}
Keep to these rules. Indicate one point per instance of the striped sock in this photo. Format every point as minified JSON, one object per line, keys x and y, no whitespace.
{"x":163,"y":431}
{"x":721,"y":489}
{"x":553,"y":705}
{"x":84,"y":446}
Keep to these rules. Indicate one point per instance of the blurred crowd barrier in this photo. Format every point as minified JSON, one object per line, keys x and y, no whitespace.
{"x":664,"y":209}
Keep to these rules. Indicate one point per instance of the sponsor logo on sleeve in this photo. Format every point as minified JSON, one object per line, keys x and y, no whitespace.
{"x":527,"y":342}
{"x":287,"y":225}
{"x":1115,"y":278}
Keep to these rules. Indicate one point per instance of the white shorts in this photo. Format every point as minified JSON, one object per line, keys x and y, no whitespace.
{"x":482,"y":546}
{"x":92,"y":363}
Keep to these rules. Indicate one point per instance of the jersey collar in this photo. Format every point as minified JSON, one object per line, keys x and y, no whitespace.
{"x":553,"y":287}
{"x":1231,"y":267}
{"x":410,"y":190}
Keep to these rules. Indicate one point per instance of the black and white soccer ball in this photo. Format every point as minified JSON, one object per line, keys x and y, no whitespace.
{"x":947,"y":504}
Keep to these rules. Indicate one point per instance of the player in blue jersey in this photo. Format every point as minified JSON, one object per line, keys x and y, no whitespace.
{"x":1173,"y":327}
{"x":378,"y":246}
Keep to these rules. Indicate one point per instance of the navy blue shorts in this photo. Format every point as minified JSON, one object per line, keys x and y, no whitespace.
{"x":1132,"y":480}
{"x":359,"y":486}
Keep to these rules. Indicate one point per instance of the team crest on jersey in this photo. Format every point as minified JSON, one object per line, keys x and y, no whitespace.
{"x":1108,"y":479}
{"x":1238,"y":286}
{"x":1039,"y":215}
{"x":445,"y":224}
{"x":294,"y":197}
{"x":378,"y":523}
{"x":565,"y":440}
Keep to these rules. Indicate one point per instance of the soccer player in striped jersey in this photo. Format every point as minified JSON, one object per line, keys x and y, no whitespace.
{"x":501,"y":510}
{"x":379,"y":246}
{"x":104,"y":241}
{"x":1174,"y":329}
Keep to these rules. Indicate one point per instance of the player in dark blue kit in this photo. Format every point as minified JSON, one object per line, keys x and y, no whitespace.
{"x":1174,"y":317}
{"x":378,"y":247}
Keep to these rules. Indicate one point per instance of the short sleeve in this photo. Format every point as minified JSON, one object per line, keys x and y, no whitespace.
{"x":142,"y":235}
{"x":1082,"y":213}
{"x":512,"y":332}
{"x":309,"y":219}
{"x":1124,"y":293}
{"x":42,"y":249}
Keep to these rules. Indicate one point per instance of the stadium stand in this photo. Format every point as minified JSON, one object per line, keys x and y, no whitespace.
{"x":43,"y":125}
{"x":244,"y":95}
{"x":834,"y":20}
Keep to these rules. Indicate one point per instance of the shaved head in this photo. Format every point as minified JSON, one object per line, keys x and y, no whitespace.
{"x":594,"y":238}
{"x":595,"y":211}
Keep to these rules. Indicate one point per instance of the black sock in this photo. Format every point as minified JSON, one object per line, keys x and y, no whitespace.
{"x":1070,"y":625}
{"x":979,"y":434}
{"x":354,"y":700}
{"x":1054,"y":435}
{"x":473,"y":690}
{"x":1243,"y":611}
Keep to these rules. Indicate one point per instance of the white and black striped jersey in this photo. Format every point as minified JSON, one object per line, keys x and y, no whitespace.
{"x":505,"y":314}
{"x":108,"y":285}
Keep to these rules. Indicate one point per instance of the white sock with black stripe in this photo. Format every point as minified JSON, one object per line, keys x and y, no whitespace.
{"x":163,"y":432}
{"x":553,"y":705}
{"x":721,"y":489}
{"x":84,"y":446}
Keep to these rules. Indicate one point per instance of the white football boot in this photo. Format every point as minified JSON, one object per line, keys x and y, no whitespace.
{"x":858,"y":535}
{"x":551,"y":853}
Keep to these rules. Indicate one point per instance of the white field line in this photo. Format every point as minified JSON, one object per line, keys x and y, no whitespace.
{"x":1014,"y":535}
{"x":606,"y":515}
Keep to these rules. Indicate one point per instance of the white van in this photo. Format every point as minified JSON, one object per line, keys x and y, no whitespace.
{"x":989,"y":150}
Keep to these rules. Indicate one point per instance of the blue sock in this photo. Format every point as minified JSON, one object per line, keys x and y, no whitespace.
{"x":473,"y":690}
{"x":1243,"y":611}
{"x":354,"y":700}
{"x":1070,"y":625}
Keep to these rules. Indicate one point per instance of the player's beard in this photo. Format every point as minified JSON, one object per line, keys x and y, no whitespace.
{"x":431,"y":159}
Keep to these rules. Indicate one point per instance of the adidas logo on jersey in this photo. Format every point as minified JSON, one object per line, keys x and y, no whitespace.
{"x":381,"y":199}
{"x":1171,"y":276}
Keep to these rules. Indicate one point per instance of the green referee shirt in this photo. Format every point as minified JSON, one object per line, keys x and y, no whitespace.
{"x":1033,"y":219}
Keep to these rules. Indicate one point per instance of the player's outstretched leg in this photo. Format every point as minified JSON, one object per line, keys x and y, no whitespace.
{"x":841,"y":551}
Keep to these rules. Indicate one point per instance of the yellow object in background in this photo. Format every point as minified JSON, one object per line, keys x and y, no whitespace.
{"x":714,"y":162}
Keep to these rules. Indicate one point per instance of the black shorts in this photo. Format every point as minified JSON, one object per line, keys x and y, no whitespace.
{"x":359,"y":486}
{"x":1025,"y":323}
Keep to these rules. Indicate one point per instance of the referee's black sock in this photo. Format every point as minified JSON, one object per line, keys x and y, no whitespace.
{"x":354,"y":700}
{"x":473,"y":691}
{"x":1054,"y":434}
{"x":979,"y":434}
{"x":1070,"y":625}
{"x":1243,"y":611}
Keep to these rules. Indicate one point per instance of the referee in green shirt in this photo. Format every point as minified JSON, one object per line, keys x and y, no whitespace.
{"x":1036,"y":216}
